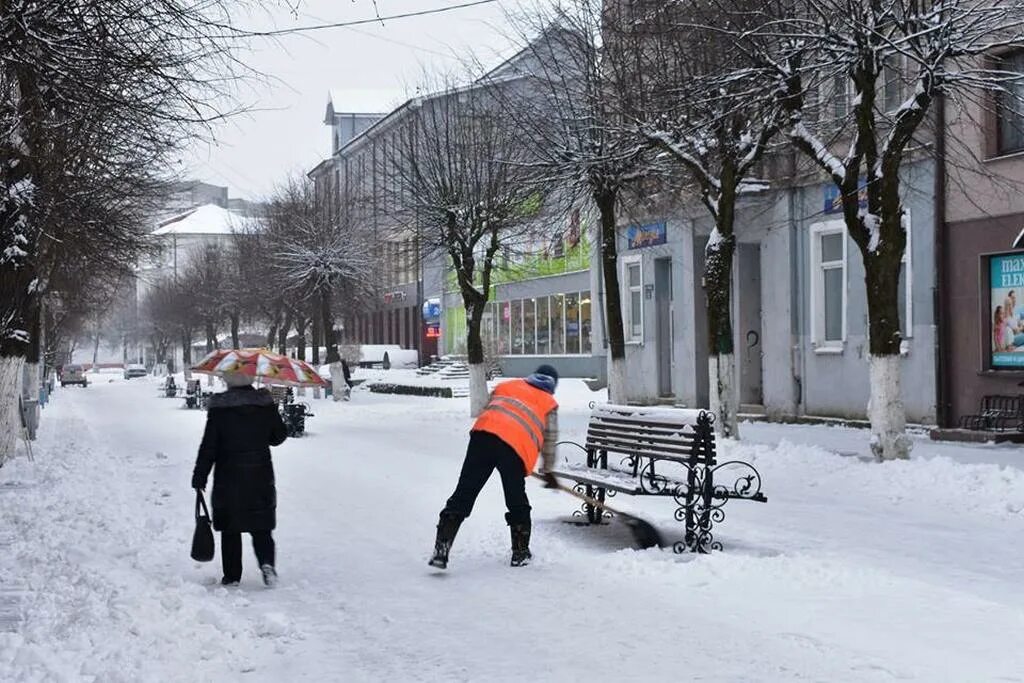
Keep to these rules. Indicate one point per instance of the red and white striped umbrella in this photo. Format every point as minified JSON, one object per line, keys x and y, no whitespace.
{"x":261,"y":364}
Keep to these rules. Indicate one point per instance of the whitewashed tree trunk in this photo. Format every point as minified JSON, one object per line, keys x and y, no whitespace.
{"x":617,"y":392}
{"x":723,"y":396}
{"x":11,"y":368}
{"x":337,"y":381}
{"x":885,"y":410}
{"x":477,"y":388}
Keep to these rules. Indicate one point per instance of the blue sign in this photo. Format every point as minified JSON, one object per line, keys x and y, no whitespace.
{"x":1006,"y":286}
{"x":640,"y":236}
{"x":431,"y":310}
{"x":834,"y":201}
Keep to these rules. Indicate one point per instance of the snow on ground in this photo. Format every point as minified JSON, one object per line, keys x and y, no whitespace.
{"x":853,"y":571}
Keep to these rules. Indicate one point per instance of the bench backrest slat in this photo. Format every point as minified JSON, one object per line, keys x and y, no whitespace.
{"x":649,"y":432}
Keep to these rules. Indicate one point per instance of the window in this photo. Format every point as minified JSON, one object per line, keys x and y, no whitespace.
{"x":557,"y":317}
{"x":543,"y":325}
{"x":839,"y":95}
{"x":585,"y":321}
{"x":504,"y":325}
{"x":572,"y":323}
{"x":517,"y":328}
{"x":894,"y":91}
{"x":828,"y":286}
{"x":1010,"y":107}
{"x":529,"y":326}
{"x":633,"y":300}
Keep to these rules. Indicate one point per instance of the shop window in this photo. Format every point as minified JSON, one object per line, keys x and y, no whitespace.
{"x":1010,"y":107}
{"x":517,"y":328}
{"x":572,"y":323}
{"x":557,"y":326}
{"x":529,"y":327}
{"x":828,"y":285}
{"x":504,"y":325}
{"x":543,"y":326}
{"x":585,"y":309}
{"x":633,"y":303}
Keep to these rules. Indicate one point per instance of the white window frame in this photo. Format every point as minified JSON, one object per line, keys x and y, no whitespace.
{"x":817,"y":317}
{"x":627,"y":299}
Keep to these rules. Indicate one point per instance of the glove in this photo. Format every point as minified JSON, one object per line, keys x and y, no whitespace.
{"x":549,"y":480}
{"x":198,"y":482}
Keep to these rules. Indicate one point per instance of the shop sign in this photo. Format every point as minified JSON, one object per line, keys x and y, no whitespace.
{"x":392,"y":297}
{"x":1006,"y":314}
{"x":640,"y":236}
{"x":834,"y":201}
{"x":433,"y":331}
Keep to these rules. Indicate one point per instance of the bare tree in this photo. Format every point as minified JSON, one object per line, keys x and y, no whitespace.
{"x":465,"y":184}
{"x":702,"y":118}
{"x":94,"y":96}
{"x":569,"y":110}
{"x":879,"y":65}
{"x":320,"y":258}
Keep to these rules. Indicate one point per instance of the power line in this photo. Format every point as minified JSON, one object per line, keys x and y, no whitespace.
{"x":374,"y":20}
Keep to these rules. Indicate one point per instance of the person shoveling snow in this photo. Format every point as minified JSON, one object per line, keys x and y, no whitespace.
{"x":519,"y":423}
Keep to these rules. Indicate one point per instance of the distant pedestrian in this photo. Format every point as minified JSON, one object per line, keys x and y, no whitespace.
{"x":519,"y":424}
{"x":347,"y":374}
{"x":241,"y":426}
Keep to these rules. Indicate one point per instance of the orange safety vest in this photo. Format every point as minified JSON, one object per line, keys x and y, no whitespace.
{"x":517,"y":414}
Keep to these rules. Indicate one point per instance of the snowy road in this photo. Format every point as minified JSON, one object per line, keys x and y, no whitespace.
{"x":852,"y":571}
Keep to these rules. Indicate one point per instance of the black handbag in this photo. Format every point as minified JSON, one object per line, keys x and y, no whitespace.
{"x":202,"y":539}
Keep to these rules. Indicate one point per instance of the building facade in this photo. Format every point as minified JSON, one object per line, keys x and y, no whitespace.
{"x":798,"y":303}
{"x":981,"y":259}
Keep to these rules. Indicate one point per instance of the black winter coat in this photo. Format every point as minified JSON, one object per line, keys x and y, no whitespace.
{"x":241,"y":426}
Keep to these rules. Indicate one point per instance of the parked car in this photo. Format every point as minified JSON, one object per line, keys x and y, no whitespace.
{"x":134,"y":370}
{"x":73,"y":374}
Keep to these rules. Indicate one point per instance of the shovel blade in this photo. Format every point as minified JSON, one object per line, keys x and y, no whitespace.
{"x":644,"y":534}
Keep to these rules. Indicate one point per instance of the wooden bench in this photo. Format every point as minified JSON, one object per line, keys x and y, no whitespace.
{"x":661,"y":452}
{"x":996,"y":414}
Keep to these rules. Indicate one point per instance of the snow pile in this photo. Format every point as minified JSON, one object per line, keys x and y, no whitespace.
{"x":925,"y":483}
{"x":104,"y":596}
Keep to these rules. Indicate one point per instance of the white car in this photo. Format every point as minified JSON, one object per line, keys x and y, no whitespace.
{"x":134,"y":370}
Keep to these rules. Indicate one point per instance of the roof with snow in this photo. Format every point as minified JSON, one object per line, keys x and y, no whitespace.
{"x":349,"y":101}
{"x":208,"y":219}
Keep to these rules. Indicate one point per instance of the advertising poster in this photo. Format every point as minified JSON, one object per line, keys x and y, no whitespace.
{"x":1005,"y":310}
{"x":640,"y":236}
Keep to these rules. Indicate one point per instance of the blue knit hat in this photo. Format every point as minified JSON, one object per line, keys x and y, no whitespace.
{"x":544,"y":378}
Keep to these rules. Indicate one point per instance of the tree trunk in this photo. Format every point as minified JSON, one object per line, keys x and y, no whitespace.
{"x":327,"y":327}
{"x":235,"y":323}
{"x":211,"y":337}
{"x":186,"y":353}
{"x":11,"y":369}
{"x":478,"y":394}
{"x":885,"y":406}
{"x":316,"y":339}
{"x":609,"y":254}
{"x":282,"y":334}
{"x":95,"y":349}
{"x":718,"y":292}
{"x":300,"y":334}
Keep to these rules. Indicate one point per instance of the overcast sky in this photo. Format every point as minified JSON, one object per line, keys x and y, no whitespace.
{"x":285,"y":132}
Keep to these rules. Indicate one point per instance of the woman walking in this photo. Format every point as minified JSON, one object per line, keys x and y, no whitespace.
{"x":242,"y":424}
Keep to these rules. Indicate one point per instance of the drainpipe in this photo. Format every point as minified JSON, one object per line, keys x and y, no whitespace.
{"x":941,"y":292}
{"x":795,"y":303}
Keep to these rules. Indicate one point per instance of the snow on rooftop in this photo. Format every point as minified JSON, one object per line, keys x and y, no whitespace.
{"x":365,"y":101}
{"x":208,"y":219}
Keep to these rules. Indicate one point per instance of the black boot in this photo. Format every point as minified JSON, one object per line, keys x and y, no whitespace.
{"x":447,"y":527}
{"x":520,"y":544}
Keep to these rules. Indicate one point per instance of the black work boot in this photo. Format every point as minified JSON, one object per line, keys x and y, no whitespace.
{"x":447,"y":527}
{"x":520,"y":544}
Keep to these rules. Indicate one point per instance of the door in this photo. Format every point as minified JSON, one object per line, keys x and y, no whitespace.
{"x":663,"y":308}
{"x":749,"y":328}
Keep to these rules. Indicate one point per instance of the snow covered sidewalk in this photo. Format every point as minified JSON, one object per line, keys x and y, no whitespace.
{"x":852,"y":572}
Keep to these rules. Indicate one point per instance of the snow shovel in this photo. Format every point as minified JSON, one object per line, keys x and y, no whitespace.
{"x":645,"y":535}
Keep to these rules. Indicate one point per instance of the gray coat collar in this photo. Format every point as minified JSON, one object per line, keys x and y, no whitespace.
{"x":241,"y":396}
